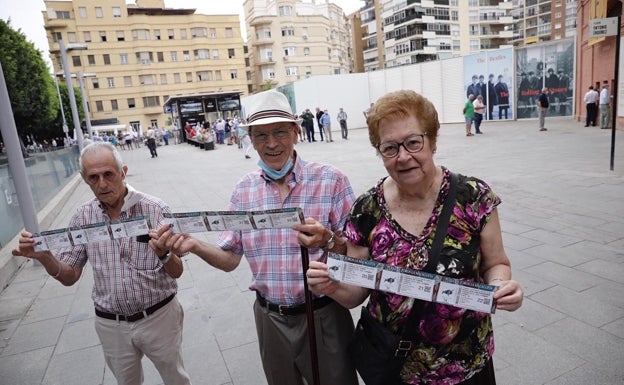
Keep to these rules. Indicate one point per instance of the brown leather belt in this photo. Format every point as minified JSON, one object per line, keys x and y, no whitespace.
{"x":134,"y":317}
{"x":317,"y":303}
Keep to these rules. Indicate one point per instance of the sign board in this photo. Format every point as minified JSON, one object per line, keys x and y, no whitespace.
{"x":603,"y":27}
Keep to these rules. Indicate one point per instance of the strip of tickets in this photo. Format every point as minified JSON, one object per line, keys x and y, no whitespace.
{"x":412,"y":283}
{"x":191,"y":222}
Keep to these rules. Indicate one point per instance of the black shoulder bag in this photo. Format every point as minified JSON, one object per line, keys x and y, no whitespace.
{"x":377,"y":353}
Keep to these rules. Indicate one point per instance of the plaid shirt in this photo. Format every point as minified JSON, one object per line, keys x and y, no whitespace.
{"x":128,"y":276}
{"x":322,"y":191}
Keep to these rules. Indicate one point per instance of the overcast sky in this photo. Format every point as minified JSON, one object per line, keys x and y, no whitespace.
{"x":26,"y":14}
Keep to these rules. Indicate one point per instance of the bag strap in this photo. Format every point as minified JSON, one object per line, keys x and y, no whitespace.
{"x":409,"y":330}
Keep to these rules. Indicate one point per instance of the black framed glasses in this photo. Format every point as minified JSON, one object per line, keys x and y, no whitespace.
{"x":278,"y":134}
{"x":413,"y":143}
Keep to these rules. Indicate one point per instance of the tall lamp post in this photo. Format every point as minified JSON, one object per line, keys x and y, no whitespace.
{"x":70,"y":90}
{"x":81,"y":77}
{"x":65,"y":128}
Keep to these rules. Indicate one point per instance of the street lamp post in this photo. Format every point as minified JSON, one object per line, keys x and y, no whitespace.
{"x":72,"y":96}
{"x":65,"y":128}
{"x":81,"y":77}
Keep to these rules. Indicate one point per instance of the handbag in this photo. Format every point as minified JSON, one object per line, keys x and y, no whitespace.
{"x":378,"y":353}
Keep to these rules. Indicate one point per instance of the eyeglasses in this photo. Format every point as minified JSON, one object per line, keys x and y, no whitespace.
{"x":413,"y":143}
{"x":264,"y":136}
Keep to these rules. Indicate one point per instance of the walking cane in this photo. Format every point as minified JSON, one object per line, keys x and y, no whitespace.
{"x":305,"y":261}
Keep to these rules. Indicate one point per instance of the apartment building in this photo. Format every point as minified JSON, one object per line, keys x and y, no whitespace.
{"x":290,"y":40}
{"x":139,"y":55}
{"x":543,"y":20}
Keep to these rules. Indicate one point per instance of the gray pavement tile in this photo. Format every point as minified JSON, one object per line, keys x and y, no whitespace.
{"x":518,"y":242}
{"x":12,"y":309}
{"x":603,"y":350}
{"x":604,"y":269}
{"x":77,"y":336}
{"x":616,"y":328}
{"x":608,"y":292}
{"x":30,"y":272}
{"x":244,"y":365}
{"x":563,"y":275}
{"x":550,"y":238}
{"x":531,"y":316}
{"x":25,"y":368}
{"x":224,"y":301}
{"x":521,"y":259}
{"x":78,"y":367}
{"x":582,"y":306}
{"x":24,"y":289}
{"x":52,"y":289}
{"x":600,"y":234}
{"x":587,"y":374}
{"x":43,"y":309}
{"x":512,"y":227}
{"x":7,"y":328}
{"x":534,"y":360}
{"x":531,"y":283}
{"x":566,"y":256}
{"x":34,"y":336}
{"x":593,"y":249}
{"x":235,"y":328}
{"x":206,"y":365}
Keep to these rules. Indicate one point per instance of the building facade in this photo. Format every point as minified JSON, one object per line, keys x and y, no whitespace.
{"x":543,"y":20}
{"x":291,"y":39}
{"x":139,"y":55}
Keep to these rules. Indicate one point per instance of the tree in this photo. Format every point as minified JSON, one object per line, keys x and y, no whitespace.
{"x":31,"y":88}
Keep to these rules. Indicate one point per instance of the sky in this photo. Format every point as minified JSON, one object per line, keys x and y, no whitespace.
{"x":26,"y":14}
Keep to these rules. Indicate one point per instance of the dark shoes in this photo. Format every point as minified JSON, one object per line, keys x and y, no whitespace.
{"x":543,"y":129}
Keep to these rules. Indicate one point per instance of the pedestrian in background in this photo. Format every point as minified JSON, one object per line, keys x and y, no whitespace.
{"x":605,"y":110}
{"x":591,"y":106}
{"x":342,"y":119}
{"x":469,"y":114}
{"x":542,"y":108}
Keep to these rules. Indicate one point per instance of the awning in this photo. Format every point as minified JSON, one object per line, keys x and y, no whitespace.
{"x":114,"y":128}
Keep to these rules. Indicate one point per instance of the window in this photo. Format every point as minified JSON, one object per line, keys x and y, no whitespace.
{"x":174,"y":56}
{"x":474,"y":45}
{"x":56,"y":36}
{"x":183,"y":34}
{"x":71,"y":37}
{"x":157,"y":34}
{"x":304,"y":32}
{"x":231,"y":53}
{"x":163,"y":78}
{"x":189,"y":77}
{"x":123,"y":58}
{"x":291,"y":71}
{"x":91,"y":60}
{"x":268,"y":73}
{"x":186,"y":55}
{"x":96,"y":83}
{"x":128,"y":81}
{"x":308,"y":71}
{"x":201,"y":54}
{"x":306,"y":51}
{"x":114,"y":105}
{"x":103,"y":36}
{"x":233,"y":74}
{"x":140,"y":34}
{"x":99,"y":106}
{"x":203,"y":76}
{"x":106,"y":58}
{"x":63,"y":15}
{"x":110,"y":82}
{"x":199,"y":32}
{"x":82,"y":11}
{"x":215,"y":54}
{"x":160,"y":56}
{"x":144,"y":58}
{"x":290,"y":51}
{"x":266,"y":54}
{"x":285,"y":10}
{"x":98,"y":12}
{"x":121,"y":36}
{"x":76,"y":61}
{"x":147,"y":80}
{"x":213,"y":33}
{"x":86,"y":36}
{"x":229,"y":32}
{"x":116,"y":12}
{"x":176,"y":78}
{"x":131,"y":103}
{"x":288,"y":31}
{"x":170,"y":34}
{"x":218,"y":75}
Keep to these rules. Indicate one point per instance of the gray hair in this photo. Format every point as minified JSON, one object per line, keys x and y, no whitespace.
{"x":96,"y":147}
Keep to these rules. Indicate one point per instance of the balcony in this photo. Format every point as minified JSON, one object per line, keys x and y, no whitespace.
{"x":56,"y":23}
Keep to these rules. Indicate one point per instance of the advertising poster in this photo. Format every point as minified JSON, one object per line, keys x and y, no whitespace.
{"x":491,"y":74}
{"x":545,"y":66}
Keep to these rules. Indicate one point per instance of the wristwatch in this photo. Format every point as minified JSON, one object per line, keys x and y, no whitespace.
{"x":166,"y":258}
{"x":330,"y":242}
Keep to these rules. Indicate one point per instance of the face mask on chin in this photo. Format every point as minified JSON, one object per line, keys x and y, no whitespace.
{"x":276,"y":174}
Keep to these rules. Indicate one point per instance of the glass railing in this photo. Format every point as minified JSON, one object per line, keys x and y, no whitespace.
{"x":48,"y":172}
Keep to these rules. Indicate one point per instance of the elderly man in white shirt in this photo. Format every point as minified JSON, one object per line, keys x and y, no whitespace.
{"x":591,"y":106}
{"x":605,"y":102}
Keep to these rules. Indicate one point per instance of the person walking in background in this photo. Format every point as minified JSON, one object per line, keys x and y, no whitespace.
{"x":395,"y":222}
{"x":605,"y":110}
{"x":502,"y":95}
{"x":542,"y":108}
{"x":326,"y":122}
{"x":479,"y":110}
{"x":591,"y":106}
{"x":243,"y":137}
{"x":469,"y":114}
{"x":150,"y":135}
{"x":342,"y":119}
{"x":134,"y":281}
{"x":274,"y":255}
{"x":319,"y":113}
{"x":308,"y":124}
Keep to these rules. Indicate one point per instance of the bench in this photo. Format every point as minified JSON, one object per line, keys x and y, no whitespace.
{"x":201,"y":144}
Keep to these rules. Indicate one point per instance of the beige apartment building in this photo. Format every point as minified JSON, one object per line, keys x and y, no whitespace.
{"x":290,"y":40}
{"x":139,"y":55}
{"x":543,"y":20}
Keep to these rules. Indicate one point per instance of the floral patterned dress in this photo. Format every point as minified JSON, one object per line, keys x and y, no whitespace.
{"x":452,"y":343}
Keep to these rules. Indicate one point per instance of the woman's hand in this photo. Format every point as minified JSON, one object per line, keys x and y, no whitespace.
{"x":509,"y":295}
{"x":319,"y":282}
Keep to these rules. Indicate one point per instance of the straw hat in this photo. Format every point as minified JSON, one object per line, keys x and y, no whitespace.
{"x":269,"y":107}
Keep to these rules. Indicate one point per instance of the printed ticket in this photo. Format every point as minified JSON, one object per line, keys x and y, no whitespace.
{"x":190,"y":222}
{"x":412,"y":283}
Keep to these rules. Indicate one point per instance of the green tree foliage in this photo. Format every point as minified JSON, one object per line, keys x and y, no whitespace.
{"x":30,"y":85}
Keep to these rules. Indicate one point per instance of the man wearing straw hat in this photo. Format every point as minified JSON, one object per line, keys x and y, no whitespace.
{"x":284,"y":180}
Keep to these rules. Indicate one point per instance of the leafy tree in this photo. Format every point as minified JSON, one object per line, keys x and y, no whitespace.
{"x":30,"y":86}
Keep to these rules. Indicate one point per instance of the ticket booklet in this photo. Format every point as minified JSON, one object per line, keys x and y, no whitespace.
{"x":191,"y":222}
{"x":412,"y":283}
{"x":53,"y":239}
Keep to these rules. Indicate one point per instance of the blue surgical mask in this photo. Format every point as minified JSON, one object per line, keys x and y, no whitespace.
{"x":276,"y":175}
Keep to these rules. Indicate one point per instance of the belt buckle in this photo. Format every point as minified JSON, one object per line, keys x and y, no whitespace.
{"x":280,"y":309}
{"x":403,"y":349}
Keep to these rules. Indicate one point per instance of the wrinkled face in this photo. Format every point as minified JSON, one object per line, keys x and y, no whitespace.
{"x":275,"y":142}
{"x":406,"y":168}
{"x":103,"y":177}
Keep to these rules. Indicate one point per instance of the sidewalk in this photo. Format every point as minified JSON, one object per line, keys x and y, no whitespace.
{"x":563,"y":227}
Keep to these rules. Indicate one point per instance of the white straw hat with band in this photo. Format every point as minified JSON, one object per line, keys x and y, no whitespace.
{"x":269,"y":107}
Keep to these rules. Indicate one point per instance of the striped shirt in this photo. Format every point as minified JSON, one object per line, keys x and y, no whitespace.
{"x":322,"y":191}
{"x":128,"y":276}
